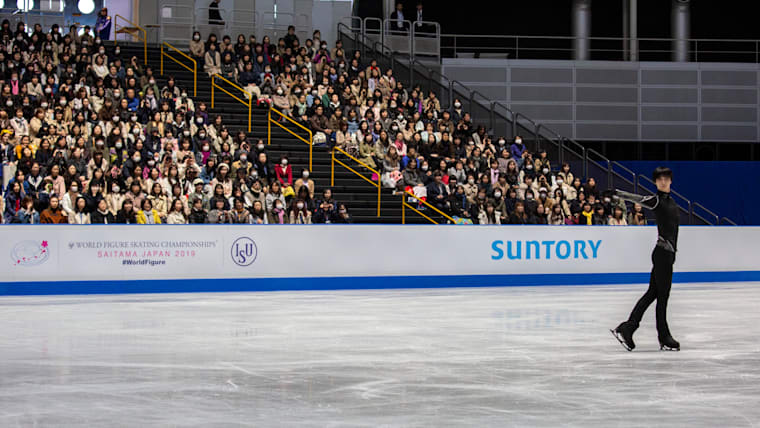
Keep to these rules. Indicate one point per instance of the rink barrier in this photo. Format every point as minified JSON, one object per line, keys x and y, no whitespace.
{"x":173,"y":259}
{"x":355,"y":283}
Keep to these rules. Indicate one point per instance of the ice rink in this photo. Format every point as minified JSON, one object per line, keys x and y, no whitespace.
{"x":470,"y":357}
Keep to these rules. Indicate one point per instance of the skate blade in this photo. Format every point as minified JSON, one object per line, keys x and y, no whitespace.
{"x":669,"y":349}
{"x":620,"y":339}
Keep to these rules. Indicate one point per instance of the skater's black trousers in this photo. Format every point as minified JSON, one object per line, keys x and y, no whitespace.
{"x":659,"y":289}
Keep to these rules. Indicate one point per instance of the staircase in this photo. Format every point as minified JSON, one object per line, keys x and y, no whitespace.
{"x":359,"y":196}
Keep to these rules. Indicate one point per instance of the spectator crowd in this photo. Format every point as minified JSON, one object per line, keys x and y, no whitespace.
{"x":90,"y":136}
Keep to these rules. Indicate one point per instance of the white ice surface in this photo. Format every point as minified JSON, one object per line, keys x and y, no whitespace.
{"x":527,"y":356}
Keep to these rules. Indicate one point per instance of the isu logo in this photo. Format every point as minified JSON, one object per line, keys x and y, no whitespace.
{"x":30,"y":253}
{"x":244,"y":251}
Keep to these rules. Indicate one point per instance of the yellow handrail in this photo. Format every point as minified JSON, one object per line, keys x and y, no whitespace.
{"x":248,"y":103}
{"x":144,"y":38}
{"x":270,"y":121}
{"x":405,"y":205}
{"x":194,"y":69}
{"x":377,"y":174}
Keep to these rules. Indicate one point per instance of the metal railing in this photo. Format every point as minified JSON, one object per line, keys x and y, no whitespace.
{"x":193,"y":69}
{"x":283,"y":116}
{"x":405,"y":205}
{"x":601,"y":48}
{"x":133,"y":31}
{"x":248,"y":103}
{"x":504,"y":122}
{"x":344,"y":165}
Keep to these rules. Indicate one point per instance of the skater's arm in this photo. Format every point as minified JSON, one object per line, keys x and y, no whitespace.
{"x":649,"y":202}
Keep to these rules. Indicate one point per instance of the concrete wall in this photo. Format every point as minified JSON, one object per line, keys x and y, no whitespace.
{"x":600,"y":100}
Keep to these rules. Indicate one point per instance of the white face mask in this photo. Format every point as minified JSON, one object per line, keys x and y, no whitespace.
{"x":151,"y":162}
{"x":471,"y":180}
{"x":299,"y":205}
{"x":116,"y":118}
{"x":243,"y":158}
{"x":48,"y":90}
{"x":115,"y":189}
{"x":136,"y":159}
{"x":205,"y":148}
{"x":518,"y":141}
{"x":559,"y":182}
{"x":260,"y":147}
{"x":457,"y":104}
{"x":196,"y":37}
{"x":284,"y":161}
{"x":305,"y":175}
{"x":74,"y":189}
{"x":9,"y":103}
{"x":63,"y":102}
{"x":44,"y":105}
{"x":199,"y":120}
{"x":186,"y":132}
{"x":202,"y":135}
{"x":497,"y":195}
{"x":118,"y":145}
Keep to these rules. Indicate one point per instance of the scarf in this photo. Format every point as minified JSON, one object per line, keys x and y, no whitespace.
{"x":588,"y":216}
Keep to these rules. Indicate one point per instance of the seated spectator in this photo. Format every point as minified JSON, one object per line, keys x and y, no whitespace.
{"x":637,"y":217}
{"x":53,"y":214}
{"x":618,"y":218}
{"x":79,"y":215}
{"x":177,"y":213}
{"x":102,"y":215}
{"x":27,"y":214}
{"x":299,"y":213}
{"x":148,"y":215}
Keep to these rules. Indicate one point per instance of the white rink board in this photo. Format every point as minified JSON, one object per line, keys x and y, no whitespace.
{"x":87,"y":253}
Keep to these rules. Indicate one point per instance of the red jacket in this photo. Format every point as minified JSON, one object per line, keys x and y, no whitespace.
{"x":282,"y":173}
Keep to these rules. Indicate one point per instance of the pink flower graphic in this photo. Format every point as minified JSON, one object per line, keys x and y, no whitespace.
{"x":44,"y":244}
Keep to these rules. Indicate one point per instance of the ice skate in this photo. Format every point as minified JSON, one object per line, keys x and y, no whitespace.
{"x":669,"y":344}
{"x":624,"y":334}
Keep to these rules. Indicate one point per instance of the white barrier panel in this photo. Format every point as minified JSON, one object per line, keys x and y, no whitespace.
{"x":113,"y":259}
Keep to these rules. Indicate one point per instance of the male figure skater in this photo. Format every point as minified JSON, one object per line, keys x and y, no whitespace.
{"x":663,"y":256}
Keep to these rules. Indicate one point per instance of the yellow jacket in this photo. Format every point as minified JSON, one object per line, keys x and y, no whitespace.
{"x":143,"y":219}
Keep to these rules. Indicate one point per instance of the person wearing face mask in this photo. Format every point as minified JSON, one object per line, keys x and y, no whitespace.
{"x":304,"y":180}
{"x":70,"y":198}
{"x":115,"y":198}
{"x":284,"y":173}
{"x":299,"y":213}
{"x":516,"y":149}
{"x":197,"y":48}
{"x":280,"y":101}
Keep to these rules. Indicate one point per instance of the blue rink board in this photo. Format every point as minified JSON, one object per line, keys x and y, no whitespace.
{"x":353,"y":283}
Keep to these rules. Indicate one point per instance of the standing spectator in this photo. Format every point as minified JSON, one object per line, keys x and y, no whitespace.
{"x":397,"y":19}
{"x":214,"y":15}
{"x":103,"y":25}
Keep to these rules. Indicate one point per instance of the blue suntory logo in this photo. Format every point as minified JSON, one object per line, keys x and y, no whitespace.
{"x":534,"y":250}
{"x":30,"y":253}
{"x":244,"y":251}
